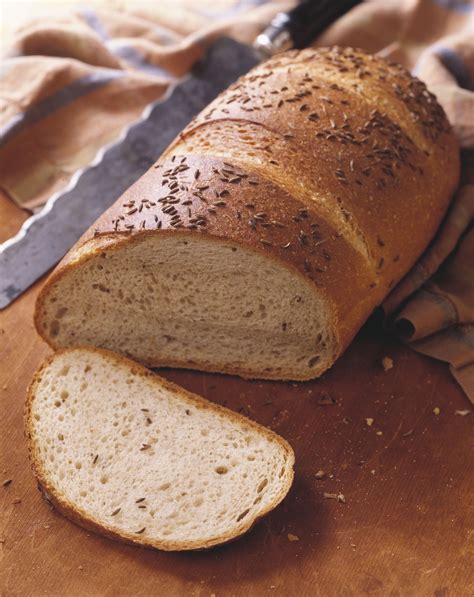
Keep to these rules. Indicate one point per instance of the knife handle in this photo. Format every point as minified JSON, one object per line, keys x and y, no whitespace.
{"x":299,"y":27}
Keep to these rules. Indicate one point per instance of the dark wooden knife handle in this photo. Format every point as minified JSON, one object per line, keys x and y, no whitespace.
{"x":299,"y":27}
{"x":310,"y":18}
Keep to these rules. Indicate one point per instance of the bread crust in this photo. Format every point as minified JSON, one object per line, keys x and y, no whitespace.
{"x":370,"y":144}
{"x":347,"y":199}
{"x":82,"y":518}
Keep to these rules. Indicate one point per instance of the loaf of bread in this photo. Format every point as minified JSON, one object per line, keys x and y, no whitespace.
{"x":271,"y":227}
{"x":131,"y":456}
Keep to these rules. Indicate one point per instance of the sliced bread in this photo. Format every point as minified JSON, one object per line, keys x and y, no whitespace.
{"x":270,"y":229}
{"x":130,"y":455}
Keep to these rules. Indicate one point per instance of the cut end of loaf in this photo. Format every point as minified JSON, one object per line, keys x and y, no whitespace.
{"x":175,"y":299}
{"x":125,"y":453}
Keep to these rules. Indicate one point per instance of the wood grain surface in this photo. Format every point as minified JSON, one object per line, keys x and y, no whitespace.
{"x":405,"y":526}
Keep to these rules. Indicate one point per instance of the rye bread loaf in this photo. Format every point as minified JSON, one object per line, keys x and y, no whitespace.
{"x":271,"y":227}
{"x":129,"y":455}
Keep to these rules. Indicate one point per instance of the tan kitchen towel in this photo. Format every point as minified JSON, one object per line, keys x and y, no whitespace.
{"x":70,"y":83}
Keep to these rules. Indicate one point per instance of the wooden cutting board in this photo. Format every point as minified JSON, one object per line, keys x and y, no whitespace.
{"x":403,"y":471}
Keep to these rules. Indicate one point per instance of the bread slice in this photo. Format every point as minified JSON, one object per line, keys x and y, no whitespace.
{"x":127,"y":454}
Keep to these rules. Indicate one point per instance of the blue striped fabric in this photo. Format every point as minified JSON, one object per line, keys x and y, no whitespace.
{"x":133,"y":57}
{"x":126,"y":52}
{"x":166,"y":36}
{"x":462,"y":6}
{"x":94,"y":23}
{"x":58,"y":100}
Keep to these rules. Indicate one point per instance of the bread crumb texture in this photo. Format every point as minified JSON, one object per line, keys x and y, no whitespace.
{"x":144,"y":460}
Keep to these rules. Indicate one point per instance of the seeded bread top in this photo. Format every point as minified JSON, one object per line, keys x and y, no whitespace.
{"x":335,"y":163}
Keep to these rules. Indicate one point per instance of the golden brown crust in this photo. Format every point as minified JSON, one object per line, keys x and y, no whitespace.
{"x":343,"y":182}
{"x":381,"y":83}
{"x":366,"y":162}
{"x":82,"y":518}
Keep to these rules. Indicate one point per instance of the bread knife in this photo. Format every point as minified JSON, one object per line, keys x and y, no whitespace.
{"x":47,"y":236}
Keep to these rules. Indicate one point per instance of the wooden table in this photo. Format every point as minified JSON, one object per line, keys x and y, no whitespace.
{"x":406,"y":527}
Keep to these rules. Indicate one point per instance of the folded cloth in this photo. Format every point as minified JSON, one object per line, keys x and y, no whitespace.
{"x":438,"y":317}
{"x":70,"y":83}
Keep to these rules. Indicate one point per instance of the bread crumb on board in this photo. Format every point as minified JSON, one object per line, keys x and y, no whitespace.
{"x":462,"y":413}
{"x":326,"y":399}
{"x":339,"y":497}
{"x":387,"y":363}
{"x":369,"y":421}
{"x":436,"y":410}
{"x":292,"y":537}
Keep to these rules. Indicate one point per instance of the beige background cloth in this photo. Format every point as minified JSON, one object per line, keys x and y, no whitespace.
{"x":72,"y":80}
